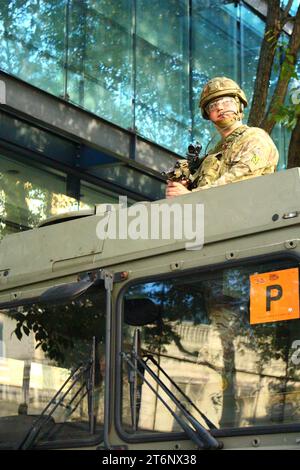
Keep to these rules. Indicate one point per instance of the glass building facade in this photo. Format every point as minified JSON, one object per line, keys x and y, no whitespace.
{"x":138,"y":64}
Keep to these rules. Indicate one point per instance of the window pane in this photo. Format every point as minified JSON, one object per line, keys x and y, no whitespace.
{"x":100,"y":58}
{"x":162,"y":81}
{"x":32,"y":42}
{"x":236,"y":373}
{"x":215,"y":54}
{"x":91,"y":195}
{"x":294,"y":7}
{"x":29,"y":195}
{"x":137,"y":69}
{"x":44,"y":346}
{"x":252,"y":34}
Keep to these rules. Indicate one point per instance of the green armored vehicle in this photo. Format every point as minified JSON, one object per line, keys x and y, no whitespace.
{"x":118,"y":331}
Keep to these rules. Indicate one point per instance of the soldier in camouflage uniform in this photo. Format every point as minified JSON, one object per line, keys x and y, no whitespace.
{"x":243,"y":152}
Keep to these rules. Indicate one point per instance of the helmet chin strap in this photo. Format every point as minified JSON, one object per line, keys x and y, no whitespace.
{"x":227,"y":122}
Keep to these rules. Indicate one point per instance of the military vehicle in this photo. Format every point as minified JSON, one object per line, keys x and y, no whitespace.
{"x":136,"y":343}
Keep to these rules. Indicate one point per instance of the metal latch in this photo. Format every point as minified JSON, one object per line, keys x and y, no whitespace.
{"x":290,"y":215}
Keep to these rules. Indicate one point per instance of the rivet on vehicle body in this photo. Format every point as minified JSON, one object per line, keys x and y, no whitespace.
{"x":231,"y":254}
{"x":176,"y":265}
{"x":291,"y":244}
{"x":256,"y":442}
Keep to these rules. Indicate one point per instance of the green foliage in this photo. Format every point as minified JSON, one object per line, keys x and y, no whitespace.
{"x":272,"y":38}
{"x":286,"y":65}
{"x":64,"y":332}
{"x":287,"y":115}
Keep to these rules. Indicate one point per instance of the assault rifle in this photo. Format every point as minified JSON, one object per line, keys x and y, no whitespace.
{"x":185,"y":169}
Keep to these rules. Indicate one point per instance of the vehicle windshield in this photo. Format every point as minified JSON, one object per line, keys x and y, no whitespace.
{"x":52,"y":372}
{"x":228,"y":339}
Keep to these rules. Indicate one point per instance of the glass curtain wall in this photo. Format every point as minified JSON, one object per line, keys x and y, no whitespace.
{"x":136,"y":63}
{"x":215,"y":53}
{"x":162,"y":86}
{"x":33,"y":42}
{"x":29,"y":195}
{"x":99,"y":57}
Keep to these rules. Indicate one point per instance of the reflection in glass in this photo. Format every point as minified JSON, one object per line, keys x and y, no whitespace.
{"x":215,"y":53}
{"x":29,"y":195}
{"x":90,"y":195}
{"x":139,"y":64}
{"x":100,"y":58}
{"x":43,"y":346}
{"x":32,"y":42}
{"x":236,"y":374}
{"x":162,"y":69}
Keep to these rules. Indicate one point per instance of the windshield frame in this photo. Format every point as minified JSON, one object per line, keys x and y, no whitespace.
{"x":87,"y":282}
{"x":201,"y":270}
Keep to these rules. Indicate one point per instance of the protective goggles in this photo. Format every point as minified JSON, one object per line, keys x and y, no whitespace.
{"x":225,"y":102}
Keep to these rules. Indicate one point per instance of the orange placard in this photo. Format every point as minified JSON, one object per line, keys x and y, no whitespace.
{"x":274,"y":296}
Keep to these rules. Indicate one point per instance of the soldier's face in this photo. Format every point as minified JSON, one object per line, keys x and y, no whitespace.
{"x":221,"y":108}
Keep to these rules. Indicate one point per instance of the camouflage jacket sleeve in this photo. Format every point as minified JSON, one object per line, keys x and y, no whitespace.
{"x":251,"y":154}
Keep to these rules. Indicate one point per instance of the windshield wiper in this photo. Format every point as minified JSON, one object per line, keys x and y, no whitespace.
{"x":209,"y":424}
{"x":85,"y":371}
{"x":194,"y":430}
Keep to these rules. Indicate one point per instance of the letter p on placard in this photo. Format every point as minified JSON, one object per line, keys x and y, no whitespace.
{"x":274,"y":296}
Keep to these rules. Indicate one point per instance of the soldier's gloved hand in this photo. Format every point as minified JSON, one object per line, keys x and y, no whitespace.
{"x":176,"y":188}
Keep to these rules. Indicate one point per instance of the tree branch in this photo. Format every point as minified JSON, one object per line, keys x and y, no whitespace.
{"x":294,"y":154}
{"x":287,"y":70}
{"x":287,"y":10}
{"x":265,"y":63}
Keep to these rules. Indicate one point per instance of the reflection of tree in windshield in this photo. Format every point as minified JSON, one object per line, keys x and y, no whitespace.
{"x":219,"y":303}
{"x":175,"y":305}
{"x":57,"y":389}
{"x":64,"y":332}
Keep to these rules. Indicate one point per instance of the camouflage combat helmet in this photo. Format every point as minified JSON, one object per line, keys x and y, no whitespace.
{"x":218,"y":87}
